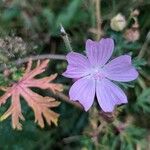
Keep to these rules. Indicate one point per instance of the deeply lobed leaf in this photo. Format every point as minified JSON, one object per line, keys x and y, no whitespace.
{"x":38,"y":103}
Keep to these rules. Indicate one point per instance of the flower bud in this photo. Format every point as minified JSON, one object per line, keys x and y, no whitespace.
{"x":118,"y":23}
{"x":6,"y":72}
{"x":132,"y":35}
{"x":135,"y":13}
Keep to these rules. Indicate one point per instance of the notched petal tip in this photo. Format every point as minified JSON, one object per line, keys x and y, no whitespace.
{"x":86,"y":109}
{"x":83,"y":90}
{"x":107,"y":41}
{"x":78,"y":66}
{"x":114,"y":107}
{"x":136,"y":74}
{"x":102,"y":39}
{"x":121,"y":69}
{"x":88,"y":41}
{"x":81,"y":103}
{"x":109,"y":95}
{"x":99,"y":52}
{"x":108,"y":110}
{"x":127,"y":58}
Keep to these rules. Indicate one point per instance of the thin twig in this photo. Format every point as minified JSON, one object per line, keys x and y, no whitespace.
{"x":66,"y":99}
{"x":38,"y":57}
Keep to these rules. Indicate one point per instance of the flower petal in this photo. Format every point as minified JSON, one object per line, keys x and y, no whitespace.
{"x":78,"y":65}
{"x":83,"y":90}
{"x":109,"y":95}
{"x":120,"y":69}
{"x":99,"y":52}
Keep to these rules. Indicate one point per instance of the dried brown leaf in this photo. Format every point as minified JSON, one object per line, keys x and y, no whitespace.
{"x":38,"y":103}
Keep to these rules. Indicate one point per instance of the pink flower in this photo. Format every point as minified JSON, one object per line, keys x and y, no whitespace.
{"x":96,"y":75}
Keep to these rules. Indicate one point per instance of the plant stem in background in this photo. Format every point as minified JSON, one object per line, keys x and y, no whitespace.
{"x":141,"y":83}
{"x":144,"y":47}
{"x":141,"y":55}
{"x":65,"y":38}
{"x":98,"y":18}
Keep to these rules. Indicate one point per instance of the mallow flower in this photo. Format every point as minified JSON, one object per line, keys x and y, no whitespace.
{"x":95,"y":74}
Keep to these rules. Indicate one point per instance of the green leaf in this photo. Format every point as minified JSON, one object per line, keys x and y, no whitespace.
{"x":139,"y":63}
{"x":49,"y":16}
{"x":68,"y":14}
{"x":143,"y":101}
{"x":11,"y":13}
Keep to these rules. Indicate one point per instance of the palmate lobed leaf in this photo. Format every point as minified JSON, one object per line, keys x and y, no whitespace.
{"x":38,"y":103}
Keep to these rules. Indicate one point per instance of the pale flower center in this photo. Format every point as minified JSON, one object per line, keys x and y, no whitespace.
{"x":97,"y":73}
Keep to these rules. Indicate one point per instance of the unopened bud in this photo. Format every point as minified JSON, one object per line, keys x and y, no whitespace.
{"x":118,"y":23}
{"x":135,"y":13}
{"x":132,"y":35}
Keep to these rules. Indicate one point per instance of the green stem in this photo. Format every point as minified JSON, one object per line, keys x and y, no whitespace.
{"x":65,"y":38}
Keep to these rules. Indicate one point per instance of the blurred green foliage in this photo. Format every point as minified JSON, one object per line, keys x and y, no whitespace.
{"x":37,"y":22}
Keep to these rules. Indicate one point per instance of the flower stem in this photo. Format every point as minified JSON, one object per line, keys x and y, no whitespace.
{"x":65,"y":38}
